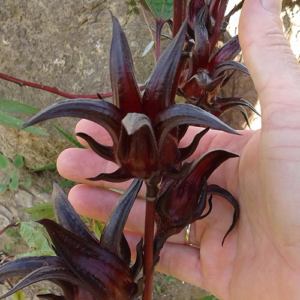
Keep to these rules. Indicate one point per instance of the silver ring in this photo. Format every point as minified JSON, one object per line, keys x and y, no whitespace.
{"x":187,"y":237}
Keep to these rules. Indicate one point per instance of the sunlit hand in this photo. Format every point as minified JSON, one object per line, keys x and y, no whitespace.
{"x":261,"y":257}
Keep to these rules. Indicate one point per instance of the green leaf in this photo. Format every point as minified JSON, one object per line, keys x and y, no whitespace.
{"x":97,"y":228}
{"x":6,"y":181}
{"x":161,"y":9}
{"x":7,"y":247}
{"x":170,"y":278}
{"x":48,"y":167}
{"x":27,"y":182}
{"x":33,"y":234}
{"x":68,"y":137}
{"x":7,"y":120}
{"x":159,"y":288}
{"x":40,"y":211}
{"x":209,"y":298}
{"x":63,"y":183}
{"x":3,"y":162}
{"x":18,"y":296}
{"x":36,"y":253}
{"x":19,"y":161}
{"x":3,"y":188}
{"x":14,"y":184}
{"x":12,"y":233}
{"x":16,"y":107}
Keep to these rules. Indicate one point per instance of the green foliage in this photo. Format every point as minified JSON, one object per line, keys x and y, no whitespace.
{"x":16,"y":107}
{"x":68,"y":137}
{"x":48,"y":167}
{"x":10,"y":106}
{"x":3,"y":162}
{"x":161,"y":9}
{"x":209,"y":298}
{"x":34,"y":235}
{"x":12,"y":181}
{"x":19,"y":296}
{"x":40,"y":211}
{"x":133,"y":6}
{"x":159,"y":288}
{"x":18,"y":161}
{"x":170,"y":278}
{"x":7,"y":120}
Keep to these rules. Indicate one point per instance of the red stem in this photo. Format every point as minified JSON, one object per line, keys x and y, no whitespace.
{"x":8,"y":226}
{"x":179,"y":14}
{"x":159,"y":26}
{"x":219,"y":19}
{"x":148,"y":250}
{"x":54,"y":90}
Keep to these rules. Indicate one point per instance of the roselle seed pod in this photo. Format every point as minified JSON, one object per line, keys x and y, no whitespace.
{"x":85,"y":268}
{"x":182,"y":202}
{"x":144,"y":129}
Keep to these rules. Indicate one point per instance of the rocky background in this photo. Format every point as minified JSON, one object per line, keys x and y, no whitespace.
{"x":65,"y":44}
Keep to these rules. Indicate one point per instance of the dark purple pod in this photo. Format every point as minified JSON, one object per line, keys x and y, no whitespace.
{"x":85,"y":268}
{"x":182,"y":202}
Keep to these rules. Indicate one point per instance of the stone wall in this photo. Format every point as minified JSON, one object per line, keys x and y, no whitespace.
{"x":64,"y":44}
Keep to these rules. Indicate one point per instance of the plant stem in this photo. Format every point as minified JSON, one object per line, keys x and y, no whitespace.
{"x":54,"y":90}
{"x":179,"y":14}
{"x":159,"y":26}
{"x":149,"y":236}
{"x":148,"y":250}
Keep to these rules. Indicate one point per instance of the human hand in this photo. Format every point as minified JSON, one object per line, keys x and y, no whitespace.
{"x":259,"y":258}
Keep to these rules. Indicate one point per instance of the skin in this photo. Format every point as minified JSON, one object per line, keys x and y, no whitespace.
{"x":260,"y":258}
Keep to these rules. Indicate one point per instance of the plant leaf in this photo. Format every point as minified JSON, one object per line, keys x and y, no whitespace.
{"x":34,"y":236}
{"x":3,"y":162}
{"x":19,"y":296}
{"x":68,"y":137}
{"x":48,"y":167}
{"x":40,"y":211}
{"x":3,"y":188}
{"x":27,"y":182}
{"x":18,"y":161}
{"x":36,"y":253}
{"x":16,"y":107}
{"x":7,"y":120}
{"x":161,"y":9}
{"x":14,"y":184}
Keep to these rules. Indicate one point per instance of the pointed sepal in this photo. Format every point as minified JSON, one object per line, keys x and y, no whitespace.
{"x":161,"y":88}
{"x":100,"y":112}
{"x":126,"y":93}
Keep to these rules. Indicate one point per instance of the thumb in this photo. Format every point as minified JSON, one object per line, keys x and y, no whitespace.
{"x":267,"y":54}
{"x":276,"y":76}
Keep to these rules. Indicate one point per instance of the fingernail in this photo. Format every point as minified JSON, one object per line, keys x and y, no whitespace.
{"x":272,"y":6}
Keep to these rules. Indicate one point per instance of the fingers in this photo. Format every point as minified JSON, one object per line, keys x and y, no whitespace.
{"x":99,"y":203}
{"x":276,"y":75}
{"x":267,"y":53}
{"x":79,"y":164}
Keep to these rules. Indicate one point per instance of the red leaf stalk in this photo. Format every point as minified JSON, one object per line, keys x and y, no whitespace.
{"x":53,"y":90}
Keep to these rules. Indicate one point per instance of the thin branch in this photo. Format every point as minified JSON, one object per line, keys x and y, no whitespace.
{"x":54,"y":90}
